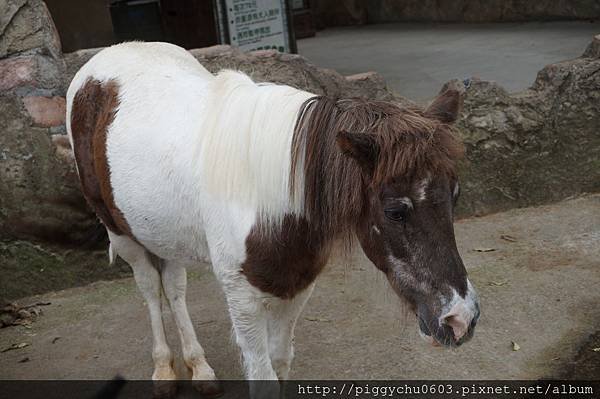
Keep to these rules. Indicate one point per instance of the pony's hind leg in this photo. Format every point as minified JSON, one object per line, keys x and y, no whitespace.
{"x":148,"y":281}
{"x":282,"y":315}
{"x":174,"y":281}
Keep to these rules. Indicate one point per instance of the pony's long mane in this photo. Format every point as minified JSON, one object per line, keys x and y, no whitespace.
{"x":245,"y":148}
{"x":410,"y":145}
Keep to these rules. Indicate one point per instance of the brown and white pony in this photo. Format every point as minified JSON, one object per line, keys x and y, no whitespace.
{"x":261,"y":179}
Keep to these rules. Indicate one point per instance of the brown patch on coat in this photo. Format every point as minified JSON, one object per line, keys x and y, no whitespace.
{"x":285,"y":261}
{"x":93,"y":111}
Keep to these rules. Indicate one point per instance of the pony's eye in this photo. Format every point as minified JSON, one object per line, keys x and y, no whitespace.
{"x":397,"y":213}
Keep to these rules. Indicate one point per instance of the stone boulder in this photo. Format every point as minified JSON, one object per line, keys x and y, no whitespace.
{"x":30,"y":52}
{"x":30,"y":74}
{"x":27,"y":27}
{"x":536,"y":146}
{"x":40,"y":197}
{"x":39,"y":193}
{"x":593,"y":50}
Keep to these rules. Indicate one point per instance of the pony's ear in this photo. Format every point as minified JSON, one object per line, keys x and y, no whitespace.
{"x":446,"y":106}
{"x":362,"y":147}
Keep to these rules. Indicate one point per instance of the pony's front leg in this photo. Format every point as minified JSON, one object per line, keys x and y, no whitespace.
{"x":282,"y":317}
{"x":174,"y":281}
{"x":249,"y":319}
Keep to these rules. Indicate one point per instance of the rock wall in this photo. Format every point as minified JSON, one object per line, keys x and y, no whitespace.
{"x":39,"y":196}
{"x":352,"y":12}
{"x":537,"y":146}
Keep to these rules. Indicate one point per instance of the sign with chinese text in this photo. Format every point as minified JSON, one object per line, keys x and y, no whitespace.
{"x":257,"y":24}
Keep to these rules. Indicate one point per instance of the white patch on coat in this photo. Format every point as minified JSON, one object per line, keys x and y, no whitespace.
{"x":456,"y":190}
{"x":464,"y":309}
{"x":407,"y":201}
{"x":421,"y":188}
{"x":405,"y":278}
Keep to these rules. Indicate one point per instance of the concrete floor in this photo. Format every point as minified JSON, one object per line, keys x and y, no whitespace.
{"x":417,"y":59}
{"x":539,"y":288}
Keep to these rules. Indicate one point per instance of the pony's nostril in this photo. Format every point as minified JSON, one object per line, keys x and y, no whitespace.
{"x":458,"y":324}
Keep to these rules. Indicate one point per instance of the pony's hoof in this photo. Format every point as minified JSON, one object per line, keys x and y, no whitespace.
{"x":208,"y":389}
{"x":165,"y":389}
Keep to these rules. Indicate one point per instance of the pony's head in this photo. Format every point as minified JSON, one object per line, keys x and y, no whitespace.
{"x":388,"y":174}
{"x":407,"y":159}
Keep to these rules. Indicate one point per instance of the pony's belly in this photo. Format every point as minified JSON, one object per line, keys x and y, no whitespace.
{"x":166,"y":224}
{"x":177,"y":245}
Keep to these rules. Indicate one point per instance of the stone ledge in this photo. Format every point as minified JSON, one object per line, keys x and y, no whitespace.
{"x":593,"y":50}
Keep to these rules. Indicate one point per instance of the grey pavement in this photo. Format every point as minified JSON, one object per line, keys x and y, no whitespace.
{"x":417,"y":59}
